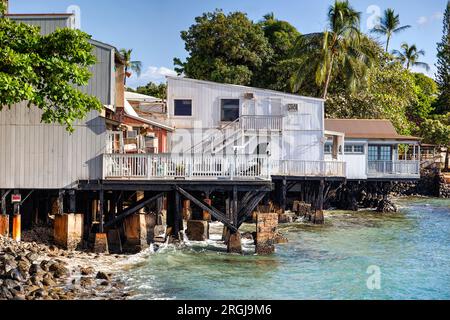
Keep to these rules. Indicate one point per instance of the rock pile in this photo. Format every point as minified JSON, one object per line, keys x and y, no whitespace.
{"x":31,"y":271}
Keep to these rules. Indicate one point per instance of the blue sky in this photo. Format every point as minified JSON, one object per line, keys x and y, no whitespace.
{"x":152,"y":28}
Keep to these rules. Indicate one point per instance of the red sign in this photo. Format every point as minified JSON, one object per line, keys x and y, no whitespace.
{"x":16,"y":198}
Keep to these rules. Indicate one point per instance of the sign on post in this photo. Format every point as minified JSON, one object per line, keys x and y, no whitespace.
{"x":16,"y":198}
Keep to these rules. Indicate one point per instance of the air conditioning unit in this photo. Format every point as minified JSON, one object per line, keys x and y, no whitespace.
{"x":292,"y":107}
{"x":249,"y":96}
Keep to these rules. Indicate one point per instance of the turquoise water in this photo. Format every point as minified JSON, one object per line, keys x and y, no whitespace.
{"x":411,"y":250}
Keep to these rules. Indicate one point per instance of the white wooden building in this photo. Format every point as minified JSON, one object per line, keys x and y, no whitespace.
{"x":223,"y":119}
{"x":374,"y":150}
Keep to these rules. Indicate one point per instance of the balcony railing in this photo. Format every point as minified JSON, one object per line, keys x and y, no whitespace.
{"x":255,"y":122}
{"x":394,"y":168}
{"x":189,"y":167}
{"x":300,"y":168}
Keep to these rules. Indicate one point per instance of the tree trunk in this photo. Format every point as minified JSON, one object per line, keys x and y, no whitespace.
{"x":387,"y":43}
{"x":447,"y":160}
{"x":125,"y":77}
{"x":327,"y":83}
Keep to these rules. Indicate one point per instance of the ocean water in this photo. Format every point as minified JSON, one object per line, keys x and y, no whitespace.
{"x":408,"y":255}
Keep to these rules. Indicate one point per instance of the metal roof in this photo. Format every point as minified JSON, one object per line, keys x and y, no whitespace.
{"x":366,"y":129}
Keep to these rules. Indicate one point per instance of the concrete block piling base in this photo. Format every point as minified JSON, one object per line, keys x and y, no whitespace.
{"x":266,"y":230}
{"x":139,"y":232}
{"x":234,"y":244}
{"x":68,"y":231}
{"x":101,"y":243}
{"x":114,"y":241}
{"x":4,"y":225}
{"x":197,"y":230}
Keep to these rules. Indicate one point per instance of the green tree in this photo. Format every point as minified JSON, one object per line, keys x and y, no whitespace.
{"x":426,"y":91}
{"x":341,"y":49}
{"x":389,"y":25}
{"x":224,"y":48}
{"x":135,"y":66}
{"x":437,"y":131}
{"x":153,"y":89}
{"x":443,"y":65}
{"x":409,"y":56}
{"x":282,"y":37}
{"x":387,"y":93}
{"x":45,"y":71}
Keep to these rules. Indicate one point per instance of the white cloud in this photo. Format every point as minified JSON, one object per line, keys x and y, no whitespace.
{"x":153,"y":73}
{"x":438,"y":16}
{"x":422,"y":20}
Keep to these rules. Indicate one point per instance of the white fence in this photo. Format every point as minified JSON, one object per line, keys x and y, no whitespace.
{"x":302,"y":168}
{"x":398,"y":168}
{"x":190,"y":167}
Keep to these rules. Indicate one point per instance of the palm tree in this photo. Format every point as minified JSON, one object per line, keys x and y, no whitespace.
{"x":409,"y":56}
{"x":341,"y":48}
{"x":135,"y":66}
{"x":389,"y":25}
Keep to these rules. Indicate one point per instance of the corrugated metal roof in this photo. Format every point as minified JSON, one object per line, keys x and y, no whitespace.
{"x":365,"y":129}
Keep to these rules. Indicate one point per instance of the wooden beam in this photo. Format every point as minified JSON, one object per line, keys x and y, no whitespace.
{"x":101,"y":210}
{"x":250,"y":207}
{"x":213,"y":211}
{"x":234,"y":206}
{"x":139,"y":205}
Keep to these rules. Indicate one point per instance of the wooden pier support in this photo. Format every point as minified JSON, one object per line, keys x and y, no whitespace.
{"x":17,"y":225}
{"x":206,"y":214}
{"x":4,"y":225}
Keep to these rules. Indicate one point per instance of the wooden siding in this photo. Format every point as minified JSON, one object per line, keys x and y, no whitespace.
{"x":41,"y":156}
{"x":46,"y":23}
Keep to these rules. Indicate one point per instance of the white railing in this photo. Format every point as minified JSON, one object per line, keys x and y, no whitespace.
{"x":301,"y":168}
{"x":399,"y":168}
{"x":190,"y":167}
{"x":255,"y":122}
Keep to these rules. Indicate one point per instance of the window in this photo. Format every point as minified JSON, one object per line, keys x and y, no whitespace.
{"x":229,"y":109}
{"x":380,"y":153}
{"x":328,"y":148}
{"x":358,"y":149}
{"x":350,"y":148}
{"x":385,"y":153}
{"x":183,"y":108}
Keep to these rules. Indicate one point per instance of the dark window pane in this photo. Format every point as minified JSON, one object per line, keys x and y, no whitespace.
{"x":183,"y":107}
{"x":229,"y":109}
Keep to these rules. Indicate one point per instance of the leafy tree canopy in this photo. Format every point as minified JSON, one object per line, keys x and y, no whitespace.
{"x":443,"y":65}
{"x":152,"y":89}
{"x":224,"y":48}
{"x":282,"y":37}
{"x":45,"y":71}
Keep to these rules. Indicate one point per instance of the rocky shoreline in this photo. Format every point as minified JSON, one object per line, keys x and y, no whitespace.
{"x":32,"y":271}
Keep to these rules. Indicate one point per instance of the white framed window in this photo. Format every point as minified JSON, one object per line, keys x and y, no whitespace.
{"x":328,"y":148}
{"x":354,"y":149}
